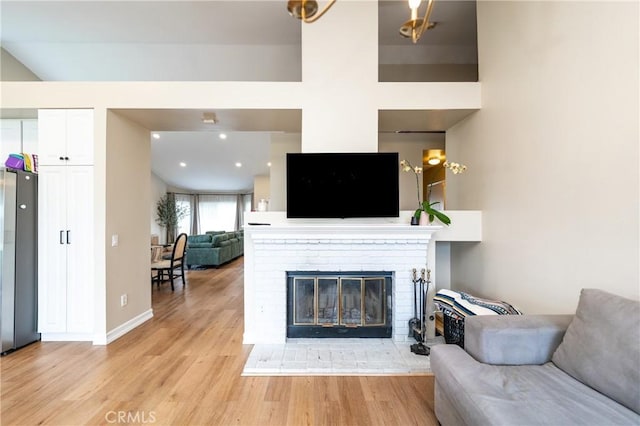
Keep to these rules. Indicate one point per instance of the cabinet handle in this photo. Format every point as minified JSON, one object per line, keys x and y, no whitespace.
{"x":61,"y":158}
{"x":61,"y":242}
{"x":68,"y":240}
{"x":66,"y":158}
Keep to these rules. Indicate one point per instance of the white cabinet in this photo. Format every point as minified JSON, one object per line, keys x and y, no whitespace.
{"x":65,"y":249}
{"x":65,"y":136}
{"x":65,"y":225}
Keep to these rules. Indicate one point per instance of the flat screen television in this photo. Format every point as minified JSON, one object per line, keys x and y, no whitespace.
{"x":342,"y":185}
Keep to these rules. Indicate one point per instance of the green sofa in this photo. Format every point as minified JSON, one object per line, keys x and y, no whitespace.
{"x":214,"y":248}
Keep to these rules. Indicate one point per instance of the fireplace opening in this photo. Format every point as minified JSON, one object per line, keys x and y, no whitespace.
{"x":339,"y":304}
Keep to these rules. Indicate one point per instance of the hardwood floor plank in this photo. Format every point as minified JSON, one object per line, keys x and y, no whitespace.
{"x":183,"y":367}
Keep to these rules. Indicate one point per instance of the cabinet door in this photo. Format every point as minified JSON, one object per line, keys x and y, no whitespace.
{"x":52,"y":249}
{"x":10,"y":137}
{"x":52,"y":137}
{"x":80,"y":259}
{"x":80,"y":137}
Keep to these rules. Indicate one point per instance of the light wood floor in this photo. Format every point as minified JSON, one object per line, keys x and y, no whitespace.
{"x":183,"y":368}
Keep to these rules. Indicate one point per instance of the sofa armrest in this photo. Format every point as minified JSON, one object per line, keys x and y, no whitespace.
{"x":514,"y":339}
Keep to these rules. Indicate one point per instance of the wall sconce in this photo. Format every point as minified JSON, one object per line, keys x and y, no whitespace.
{"x":307,"y":10}
{"x":415,"y":27}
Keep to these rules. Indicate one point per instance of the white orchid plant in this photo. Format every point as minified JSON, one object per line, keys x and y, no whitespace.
{"x":426,"y":206}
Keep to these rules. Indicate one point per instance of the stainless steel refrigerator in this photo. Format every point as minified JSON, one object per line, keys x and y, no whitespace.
{"x":19,"y":259}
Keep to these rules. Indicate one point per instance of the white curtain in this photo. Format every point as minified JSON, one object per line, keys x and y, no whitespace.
{"x":217,"y":212}
{"x":184,"y":224}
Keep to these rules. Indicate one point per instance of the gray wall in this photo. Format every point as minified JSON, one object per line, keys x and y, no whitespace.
{"x":552,"y":155}
{"x":13,"y":70}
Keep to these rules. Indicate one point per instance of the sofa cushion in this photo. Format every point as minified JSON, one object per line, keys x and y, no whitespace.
{"x":199,"y":239}
{"x":217,"y":239}
{"x":484,"y":394}
{"x":214,"y":232}
{"x":601,"y":347}
{"x":514,"y":339}
{"x":224,"y":243}
{"x":200,"y":245}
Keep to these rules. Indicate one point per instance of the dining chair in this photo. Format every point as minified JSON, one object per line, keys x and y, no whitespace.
{"x":174,"y":267}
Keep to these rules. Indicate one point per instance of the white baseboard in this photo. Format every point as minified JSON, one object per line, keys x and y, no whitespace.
{"x":263,"y":339}
{"x":66,"y":337}
{"x":123,"y":329}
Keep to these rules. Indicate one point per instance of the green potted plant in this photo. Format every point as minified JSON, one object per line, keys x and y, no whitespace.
{"x":169,"y":214}
{"x":426,"y":206}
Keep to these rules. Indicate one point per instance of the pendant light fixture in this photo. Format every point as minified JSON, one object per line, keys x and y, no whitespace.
{"x":307,"y":10}
{"x":416,"y":26}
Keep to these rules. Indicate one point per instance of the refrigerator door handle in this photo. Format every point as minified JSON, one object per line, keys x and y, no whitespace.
{"x":61,"y":232}
{"x":68,"y":233}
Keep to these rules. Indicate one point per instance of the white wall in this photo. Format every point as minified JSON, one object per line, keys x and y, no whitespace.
{"x":281,"y":144}
{"x":158,"y":189}
{"x":552,"y":155}
{"x":340,"y":72}
{"x":270,"y":63}
{"x":127,"y":215}
{"x":261,"y":189}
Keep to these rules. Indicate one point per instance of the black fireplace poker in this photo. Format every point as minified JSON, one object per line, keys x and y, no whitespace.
{"x":417,"y":324}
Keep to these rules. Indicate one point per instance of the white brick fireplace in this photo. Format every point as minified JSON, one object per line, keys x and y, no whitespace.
{"x":273,"y":250}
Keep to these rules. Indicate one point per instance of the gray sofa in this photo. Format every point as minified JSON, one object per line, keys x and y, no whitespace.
{"x":581,"y":369}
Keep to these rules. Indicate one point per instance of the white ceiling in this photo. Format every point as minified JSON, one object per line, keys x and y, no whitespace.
{"x":215,"y":160}
{"x":87,"y":40}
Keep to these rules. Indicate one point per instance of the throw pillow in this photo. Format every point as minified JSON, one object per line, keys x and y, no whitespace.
{"x":601,"y":347}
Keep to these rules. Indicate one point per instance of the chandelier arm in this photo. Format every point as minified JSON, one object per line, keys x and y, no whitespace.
{"x":317,"y":15}
{"x":425,"y":22}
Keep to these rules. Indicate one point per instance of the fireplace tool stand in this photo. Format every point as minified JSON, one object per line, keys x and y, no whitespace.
{"x":417,"y":326}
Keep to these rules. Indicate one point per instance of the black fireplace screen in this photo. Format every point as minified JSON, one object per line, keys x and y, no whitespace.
{"x":337,"y":305}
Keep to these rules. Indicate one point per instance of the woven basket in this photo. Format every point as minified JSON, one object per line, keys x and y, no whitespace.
{"x":453,"y":330}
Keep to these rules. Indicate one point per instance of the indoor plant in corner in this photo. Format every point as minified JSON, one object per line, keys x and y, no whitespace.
{"x":169,"y":214}
{"x":427,"y":207}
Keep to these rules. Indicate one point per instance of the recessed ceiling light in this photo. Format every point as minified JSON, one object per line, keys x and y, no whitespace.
{"x":222,"y":136}
{"x":183,"y":164}
{"x":238,"y":164}
{"x":269,"y":164}
{"x":155,"y":135}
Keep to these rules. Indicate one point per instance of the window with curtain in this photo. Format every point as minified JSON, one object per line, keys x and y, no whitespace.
{"x":184,"y":224}
{"x":217,"y":212}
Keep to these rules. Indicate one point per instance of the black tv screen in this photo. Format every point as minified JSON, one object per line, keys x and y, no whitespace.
{"x":342,"y":185}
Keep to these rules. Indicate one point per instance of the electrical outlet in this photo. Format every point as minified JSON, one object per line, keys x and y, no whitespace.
{"x":114,"y":240}
{"x":123,"y":300}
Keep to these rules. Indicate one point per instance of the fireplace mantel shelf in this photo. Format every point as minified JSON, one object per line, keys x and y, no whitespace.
{"x":339,"y":231}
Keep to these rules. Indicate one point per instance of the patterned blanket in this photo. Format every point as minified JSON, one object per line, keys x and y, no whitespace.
{"x":460,"y":305}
